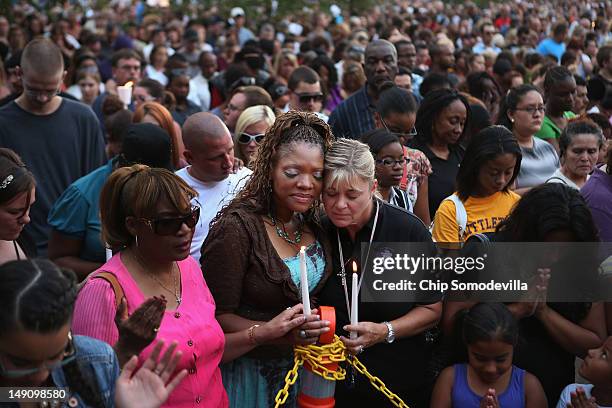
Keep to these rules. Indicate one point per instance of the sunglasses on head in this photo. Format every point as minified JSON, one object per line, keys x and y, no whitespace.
{"x":307,"y":97}
{"x":246,"y":138}
{"x":171,"y":225}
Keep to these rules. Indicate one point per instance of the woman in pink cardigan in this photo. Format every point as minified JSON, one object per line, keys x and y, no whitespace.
{"x":148,"y":219}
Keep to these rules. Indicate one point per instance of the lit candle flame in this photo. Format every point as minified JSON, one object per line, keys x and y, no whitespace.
{"x":354,"y":267}
{"x":129,"y":84}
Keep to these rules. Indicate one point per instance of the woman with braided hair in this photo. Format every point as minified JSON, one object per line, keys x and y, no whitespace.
{"x":250,"y":258}
{"x":37,"y":348}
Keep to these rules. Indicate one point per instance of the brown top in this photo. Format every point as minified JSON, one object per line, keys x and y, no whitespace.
{"x":244,"y":272}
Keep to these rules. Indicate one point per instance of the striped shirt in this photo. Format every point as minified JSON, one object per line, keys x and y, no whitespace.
{"x":354,"y":116}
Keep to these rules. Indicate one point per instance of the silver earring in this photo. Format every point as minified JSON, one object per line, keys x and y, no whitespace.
{"x":136,"y":241}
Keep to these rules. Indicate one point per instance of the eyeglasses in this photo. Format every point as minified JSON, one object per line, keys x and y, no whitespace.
{"x":307,"y":97}
{"x":68,"y":355}
{"x":399,"y":132}
{"x":392,"y":163}
{"x":533,"y":109}
{"x":170,"y":226}
{"x":246,"y":138}
{"x":37,"y":94}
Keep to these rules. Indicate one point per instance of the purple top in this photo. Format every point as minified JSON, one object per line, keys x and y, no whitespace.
{"x":462,"y":395}
{"x":597,"y":193}
{"x":334,"y":98}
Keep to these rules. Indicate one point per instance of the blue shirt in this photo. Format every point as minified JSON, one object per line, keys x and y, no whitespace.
{"x":354,"y":116}
{"x":76,"y":212}
{"x":548,"y":46}
{"x":98,"y":365}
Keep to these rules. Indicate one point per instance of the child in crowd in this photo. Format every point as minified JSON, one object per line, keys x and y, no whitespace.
{"x":491,"y":164}
{"x":489,"y":379}
{"x":597,"y":369}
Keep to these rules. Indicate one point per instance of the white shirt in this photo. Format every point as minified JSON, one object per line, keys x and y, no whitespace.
{"x":159,"y":76}
{"x":566,"y":397}
{"x":199,"y":92}
{"x":211,"y":197}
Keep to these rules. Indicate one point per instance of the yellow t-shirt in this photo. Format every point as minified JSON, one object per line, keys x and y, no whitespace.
{"x":483,"y":215}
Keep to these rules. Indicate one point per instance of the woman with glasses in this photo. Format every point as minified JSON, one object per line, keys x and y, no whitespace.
{"x":441,"y":123}
{"x":251,"y":256}
{"x":37,"y":348}
{"x":252,"y":125}
{"x":579,"y":146}
{"x":17,"y":194}
{"x":396,"y":112}
{"x":523,"y":113}
{"x":148,"y":220}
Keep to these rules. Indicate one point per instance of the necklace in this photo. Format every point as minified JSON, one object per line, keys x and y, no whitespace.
{"x":176,"y":292}
{"x":282,"y":233}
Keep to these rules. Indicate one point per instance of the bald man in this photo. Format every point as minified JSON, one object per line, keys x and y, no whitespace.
{"x":355,"y":115}
{"x":58,"y":139}
{"x":209,"y":150}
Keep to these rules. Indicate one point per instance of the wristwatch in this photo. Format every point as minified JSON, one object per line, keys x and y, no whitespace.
{"x":391,"y":334}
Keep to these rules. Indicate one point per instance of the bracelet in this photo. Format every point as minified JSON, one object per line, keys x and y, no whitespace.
{"x":251,"y":333}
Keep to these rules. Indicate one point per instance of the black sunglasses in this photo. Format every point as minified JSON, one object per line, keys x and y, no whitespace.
{"x":307,"y":97}
{"x":170,"y":226}
{"x":246,"y":138}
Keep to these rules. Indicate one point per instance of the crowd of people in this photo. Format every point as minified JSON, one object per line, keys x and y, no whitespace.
{"x":172,"y":181}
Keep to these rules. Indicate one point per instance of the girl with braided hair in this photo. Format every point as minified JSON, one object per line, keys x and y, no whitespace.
{"x":37,"y":348}
{"x":250,"y":258}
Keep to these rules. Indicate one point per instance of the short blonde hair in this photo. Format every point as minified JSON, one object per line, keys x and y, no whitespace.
{"x":251,"y":116}
{"x":348,"y":159}
{"x":135,"y":192}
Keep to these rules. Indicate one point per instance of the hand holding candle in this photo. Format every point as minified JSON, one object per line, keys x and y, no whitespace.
{"x":354,"y":300}
{"x":125,"y":93}
{"x":304,"y":282}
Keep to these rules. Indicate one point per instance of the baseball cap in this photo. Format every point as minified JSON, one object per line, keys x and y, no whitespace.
{"x":146,"y":143}
{"x":237,"y":11}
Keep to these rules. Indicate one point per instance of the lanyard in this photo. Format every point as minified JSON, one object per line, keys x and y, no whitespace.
{"x":342,"y":268}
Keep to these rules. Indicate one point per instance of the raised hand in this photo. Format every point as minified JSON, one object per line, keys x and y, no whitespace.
{"x":139,"y":330}
{"x":149,"y":386}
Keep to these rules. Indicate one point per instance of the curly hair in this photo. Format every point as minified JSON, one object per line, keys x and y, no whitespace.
{"x":289,"y":128}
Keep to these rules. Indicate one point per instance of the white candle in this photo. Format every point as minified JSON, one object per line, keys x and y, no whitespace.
{"x":354,"y":300}
{"x":109,"y":253}
{"x":125,"y":93}
{"x":304,"y":282}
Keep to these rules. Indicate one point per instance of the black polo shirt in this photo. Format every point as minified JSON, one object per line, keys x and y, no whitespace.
{"x":443,"y":178}
{"x":401,"y":364}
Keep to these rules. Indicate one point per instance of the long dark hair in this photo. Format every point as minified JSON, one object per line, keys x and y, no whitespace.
{"x":486,"y":145}
{"x":430,"y":109}
{"x":38,"y":296}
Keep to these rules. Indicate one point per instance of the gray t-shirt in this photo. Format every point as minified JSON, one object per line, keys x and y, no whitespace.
{"x":58,"y":149}
{"x":538,"y":164}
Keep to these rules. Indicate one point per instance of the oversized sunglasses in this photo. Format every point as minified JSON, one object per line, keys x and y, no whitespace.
{"x":246,"y":138}
{"x":170,"y":226}
{"x":68,"y":355}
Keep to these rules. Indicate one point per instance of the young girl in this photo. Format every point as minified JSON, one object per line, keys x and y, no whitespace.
{"x":490,"y":166}
{"x":389,"y":158}
{"x":597,"y":369}
{"x":489,"y":379}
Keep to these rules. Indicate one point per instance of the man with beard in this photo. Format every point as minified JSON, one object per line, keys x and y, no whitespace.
{"x":355,"y":115}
